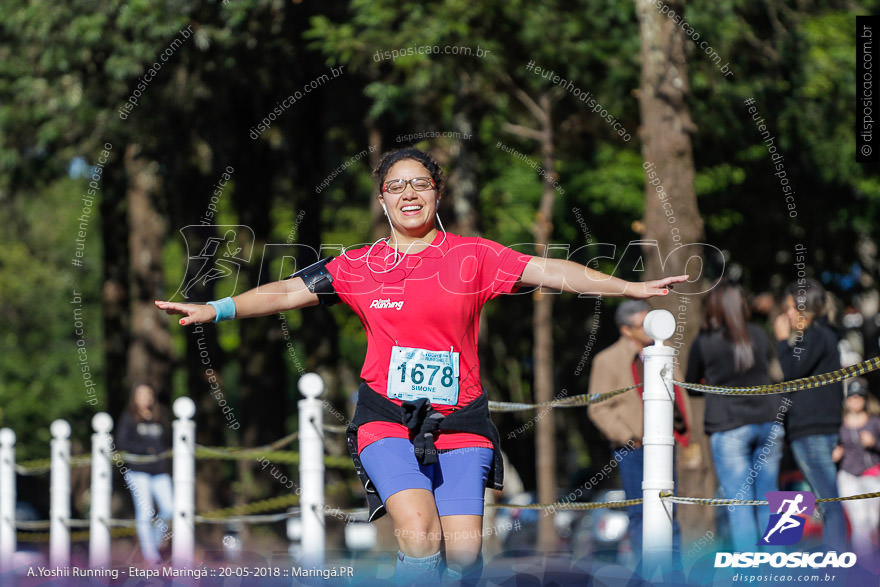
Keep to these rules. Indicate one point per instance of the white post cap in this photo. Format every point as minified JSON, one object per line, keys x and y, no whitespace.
{"x":311,"y":385}
{"x":184,"y":408}
{"x":659,"y":325}
{"x":101,"y":422}
{"x":7,"y":437}
{"x":60,"y":429}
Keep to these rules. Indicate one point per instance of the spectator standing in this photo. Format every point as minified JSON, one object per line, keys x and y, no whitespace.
{"x":745,"y":432}
{"x":806,"y":346}
{"x":858,"y":456}
{"x":144,"y":430}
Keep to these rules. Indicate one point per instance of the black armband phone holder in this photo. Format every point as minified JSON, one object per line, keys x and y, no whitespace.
{"x":319,"y":281}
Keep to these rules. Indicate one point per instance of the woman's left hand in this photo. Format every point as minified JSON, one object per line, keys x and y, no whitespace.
{"x":867,"y":439}
{"x":649,"y":289}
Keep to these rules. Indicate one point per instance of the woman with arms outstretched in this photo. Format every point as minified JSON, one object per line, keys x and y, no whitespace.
{"x":421,"y":438}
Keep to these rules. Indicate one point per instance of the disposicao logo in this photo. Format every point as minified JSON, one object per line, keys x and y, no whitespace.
{"x":788,"y":516}
{"x":786,"y":526}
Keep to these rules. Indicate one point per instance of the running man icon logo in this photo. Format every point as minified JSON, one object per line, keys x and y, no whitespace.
{"x":786,"y":525}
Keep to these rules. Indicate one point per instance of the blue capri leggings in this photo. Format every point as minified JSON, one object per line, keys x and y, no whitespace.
{"x":458,"y":480}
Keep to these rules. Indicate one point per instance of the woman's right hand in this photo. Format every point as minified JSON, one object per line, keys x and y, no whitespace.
{"x":193,"y":313}
{"x":837,"y":453}
{"x":782,"y":327}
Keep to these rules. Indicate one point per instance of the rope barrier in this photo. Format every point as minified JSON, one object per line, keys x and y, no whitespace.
{"x":127,"y":527}
{"x":81,"y":536}
{"x":204,"y":453}
{"x":810,"y":382}
{"x":574,"y":401}
{"x":245,"y":513}
{"x":272,"y":503}
{"x":237,"y":452}
{"x":252,"y":512}
{"x":721,"y":502}
{"x":146,"y":459}
{"x":254,"y":519}
{"x":667,"y":496}
{"x":568,"y":505}
{"x":42,"y":466}
{"x":859,"y":496}
{"x":77,"y":523}
{"x":263,"y":505}
{"x":35,"y":525}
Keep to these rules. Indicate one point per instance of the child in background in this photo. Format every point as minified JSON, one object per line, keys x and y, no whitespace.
{"x":858,"y":456}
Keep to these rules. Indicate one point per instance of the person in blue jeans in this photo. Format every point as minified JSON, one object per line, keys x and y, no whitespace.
{"x":745,"y":431}
{"x":806,"y":346}
{"x":144,"y":430}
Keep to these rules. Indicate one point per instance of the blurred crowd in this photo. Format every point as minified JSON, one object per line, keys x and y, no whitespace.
{"x":825,"y":440}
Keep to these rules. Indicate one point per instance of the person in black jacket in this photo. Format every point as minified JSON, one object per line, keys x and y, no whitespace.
{"x":808,"y":346}
{"x":745,"y":431}
{"x":144,"y":430}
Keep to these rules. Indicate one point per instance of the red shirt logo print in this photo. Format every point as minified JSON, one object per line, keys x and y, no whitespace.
{"x":385,"y":304}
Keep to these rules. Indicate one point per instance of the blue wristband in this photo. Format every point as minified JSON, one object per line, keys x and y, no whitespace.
{"x":225,"y":309}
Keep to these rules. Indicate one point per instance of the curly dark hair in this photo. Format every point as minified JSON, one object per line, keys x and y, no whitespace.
{"x":392,"y":157}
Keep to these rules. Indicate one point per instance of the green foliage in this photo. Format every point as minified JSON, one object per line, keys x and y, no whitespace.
{"x":40,"y":368}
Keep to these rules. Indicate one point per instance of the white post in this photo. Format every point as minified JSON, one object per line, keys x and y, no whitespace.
{"x":311,"y":469}
{"x":59,"y":495}
{"x":101,"y":491}
{"x":7,"y":498}
{"x":659,"y":444}
{"x":183,"y":538}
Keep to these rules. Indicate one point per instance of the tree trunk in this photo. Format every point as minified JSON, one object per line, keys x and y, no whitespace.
{"x":149,"y":349}
{"x":463,"y":188}
{"x":545,"y":428}
{"x":115,"y":290}
{"x":542,"y":316}
{"x":673,"y":221}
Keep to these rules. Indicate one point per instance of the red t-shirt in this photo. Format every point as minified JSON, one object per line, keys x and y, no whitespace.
{"x":431,"y":300}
